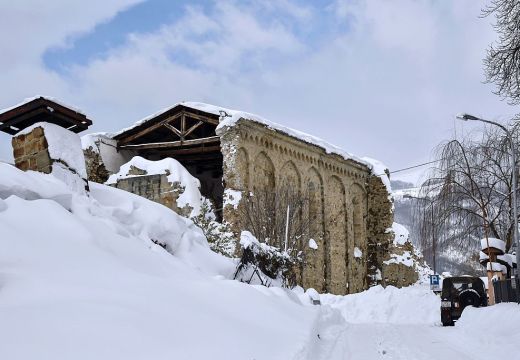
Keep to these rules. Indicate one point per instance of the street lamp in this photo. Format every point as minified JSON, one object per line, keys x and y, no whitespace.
{"x":434,"y":247}
{"x":516,"y":240}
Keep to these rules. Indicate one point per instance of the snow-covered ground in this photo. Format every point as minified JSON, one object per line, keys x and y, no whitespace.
{"x":115,"y":276}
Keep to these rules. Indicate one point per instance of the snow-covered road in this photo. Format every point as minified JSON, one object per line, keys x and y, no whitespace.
{"x":391,"y":341}
{"x":404,"y":324}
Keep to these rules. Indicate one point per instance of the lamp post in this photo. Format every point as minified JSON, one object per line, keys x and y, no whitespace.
{"x":434,"y":242}
{"x":509,"y":136}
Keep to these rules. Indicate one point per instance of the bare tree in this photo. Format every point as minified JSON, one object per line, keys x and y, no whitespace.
{"x":471,"y":189}
{"x":502,"y":63}
{"x":280,"y":219}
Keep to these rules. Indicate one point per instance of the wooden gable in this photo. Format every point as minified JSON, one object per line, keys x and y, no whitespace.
{"x":178,"y":132}
{"x":42,"y":110}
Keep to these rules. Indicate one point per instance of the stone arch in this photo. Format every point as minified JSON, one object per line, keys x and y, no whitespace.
{"x":263,"y":168}
{"x":314,"y":273}
{"x":359,"y":236}
{"x":359,"y":205}
{"x":242,"y":167}
{"x":290,"y":176}
{"x":336,"y":232}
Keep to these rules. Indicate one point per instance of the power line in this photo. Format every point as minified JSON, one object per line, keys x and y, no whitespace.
{"x":412,"y":167}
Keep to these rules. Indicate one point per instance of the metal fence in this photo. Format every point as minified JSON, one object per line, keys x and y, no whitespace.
{"x":507,"y":290}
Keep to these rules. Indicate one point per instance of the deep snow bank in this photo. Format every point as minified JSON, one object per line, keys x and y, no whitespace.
{"x":83,"y":278}
{"x":501,"y":320}
{"x":408,"y":305}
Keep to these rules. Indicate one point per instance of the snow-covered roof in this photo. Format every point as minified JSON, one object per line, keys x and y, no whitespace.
{"x":50,"y":98}
{"x":229,"y":118}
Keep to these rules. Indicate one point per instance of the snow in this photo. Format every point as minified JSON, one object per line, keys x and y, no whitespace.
{"x":86,"y":281}
{"x":495,"y":326}
{"x":63,"y":145}
{"x":409,"y":305}
{"x":229,"y":118}
{"x":312,"y":244}
{"x":28,"y":100}
{"x":494,"y":243}
{"x":357,"y":252}
{"x":404,"y":259}
{"x":175,"y":173}
{"x":232,"y":198}
{"x":401,"y":233}
{"x":379,"y":169}
{"x":494,"y":266}
{"x":115,"y":276}
{"x":103,"y":144}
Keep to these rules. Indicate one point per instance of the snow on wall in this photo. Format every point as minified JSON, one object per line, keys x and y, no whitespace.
{"x":175,"y":173}
{"x":63,"y":145}
{"x":401,"y":233}
{"x":103,"y":144}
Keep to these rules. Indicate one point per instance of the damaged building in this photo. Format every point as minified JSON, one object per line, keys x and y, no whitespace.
{"x":236,"y":154}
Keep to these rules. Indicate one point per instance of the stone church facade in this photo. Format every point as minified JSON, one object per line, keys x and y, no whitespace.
{"x":349,"y":208}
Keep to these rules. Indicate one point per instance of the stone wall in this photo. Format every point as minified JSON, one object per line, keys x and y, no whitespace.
{"x":398,"y":270}
{"x":256,"y":157}
{"x":155,"y":188}
{"x":380,"y":219}
{"x":31,"y":151}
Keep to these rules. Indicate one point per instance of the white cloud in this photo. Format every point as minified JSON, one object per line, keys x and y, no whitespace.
{"x":386,"y":86}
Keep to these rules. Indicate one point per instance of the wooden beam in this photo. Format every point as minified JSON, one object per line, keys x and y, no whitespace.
{"x":171,"y":144}
{"x":149,"y":129}
{"x":6,"y":125}
{"x":202,"y":118}
{"x":195,"y":150}
{"x":191,"y":129}
{"x":174,"y":130}
{"x":183,"y":125}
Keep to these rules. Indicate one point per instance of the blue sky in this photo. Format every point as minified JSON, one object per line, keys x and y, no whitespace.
{"x":379,"y":78}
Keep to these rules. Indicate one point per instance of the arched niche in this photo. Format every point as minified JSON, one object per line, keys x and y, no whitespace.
{"x":242,"y":168}
{"x":290,"y":177}
{"x":264,"y":173}
{"x":336,"y":230}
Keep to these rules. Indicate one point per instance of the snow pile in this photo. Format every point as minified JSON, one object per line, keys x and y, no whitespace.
{"x":88,"y":278}
{"x":496,"y":326}
{"x":408,"y":305}
{"x":175,"y":173}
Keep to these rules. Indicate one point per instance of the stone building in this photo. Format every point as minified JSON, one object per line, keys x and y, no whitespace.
{"x":349,"y":205}
{"x":232,"y":152}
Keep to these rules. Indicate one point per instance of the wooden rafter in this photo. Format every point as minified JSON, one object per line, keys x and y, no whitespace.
{"x":171,"y":144}
{"x":182,"y":133}
{"x":149,"y":129}
{"x":191,"y":129}
{"x":174,"y":130}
